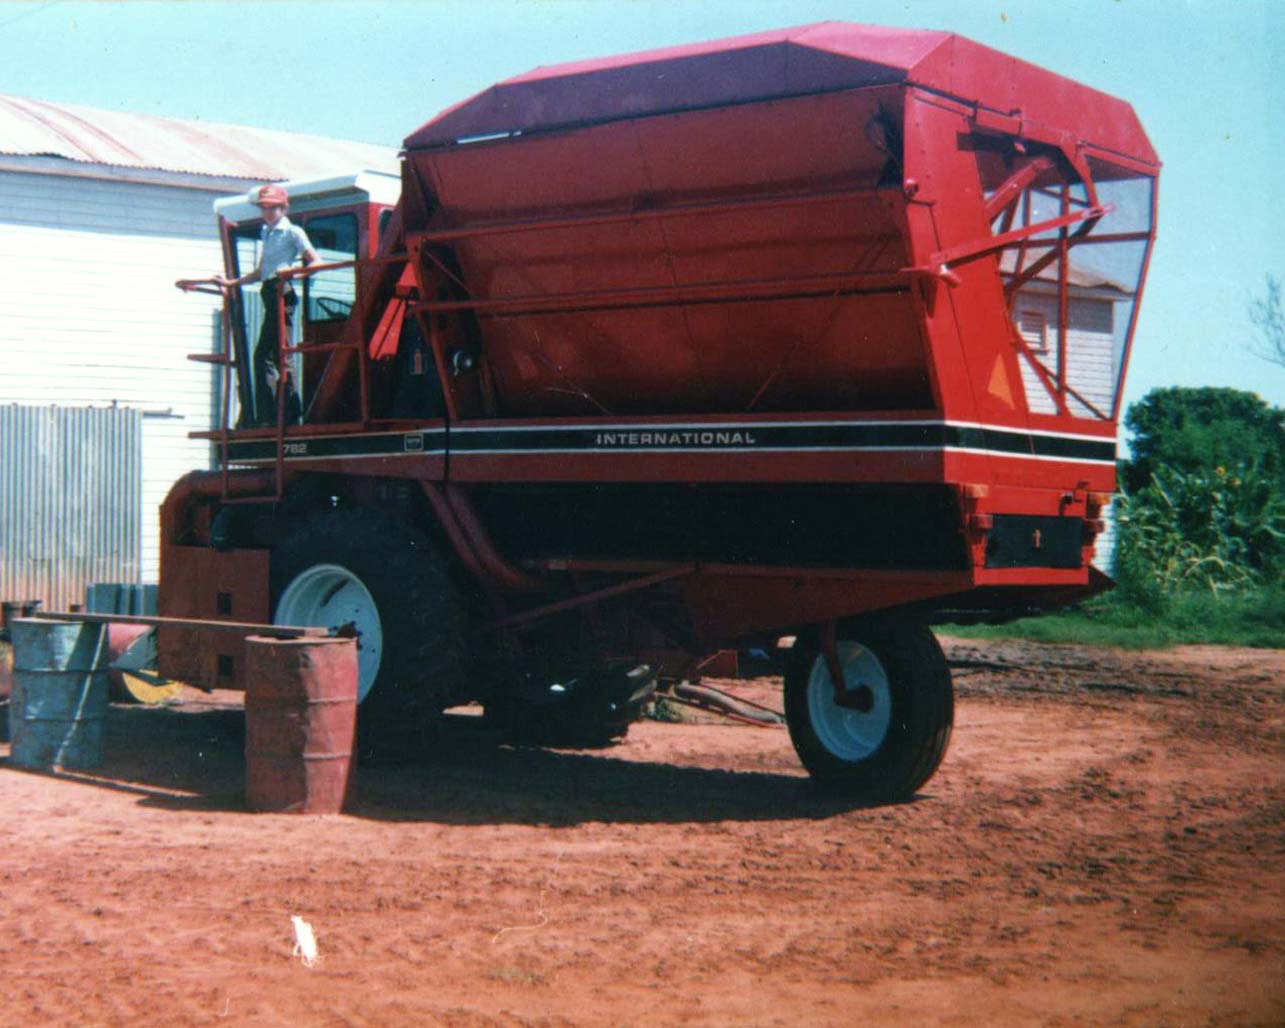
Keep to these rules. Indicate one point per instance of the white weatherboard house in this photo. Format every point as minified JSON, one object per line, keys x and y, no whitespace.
{"x":100,"y":213}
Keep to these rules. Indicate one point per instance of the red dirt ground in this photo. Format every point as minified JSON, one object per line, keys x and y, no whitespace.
{"x":1103,"y":845}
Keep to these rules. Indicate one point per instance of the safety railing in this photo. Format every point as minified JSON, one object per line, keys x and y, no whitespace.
{"x":235,"y":360}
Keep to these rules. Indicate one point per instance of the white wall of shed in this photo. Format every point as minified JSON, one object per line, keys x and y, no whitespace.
{"x":91,"y":317}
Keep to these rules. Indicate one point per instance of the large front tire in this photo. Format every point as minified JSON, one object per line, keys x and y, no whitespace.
{"x":888,"y":736}
{"x":377,"y":575}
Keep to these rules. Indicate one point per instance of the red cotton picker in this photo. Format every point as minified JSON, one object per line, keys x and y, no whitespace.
{"x":816,"y":333}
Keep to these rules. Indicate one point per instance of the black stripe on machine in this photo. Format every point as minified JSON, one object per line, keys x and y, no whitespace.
{"x":686,"y":438}
{"x":356,"y":446}
{"x":731,"y":438}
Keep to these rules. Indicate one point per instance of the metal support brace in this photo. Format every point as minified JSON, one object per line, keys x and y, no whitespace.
{"x":860,"y":697}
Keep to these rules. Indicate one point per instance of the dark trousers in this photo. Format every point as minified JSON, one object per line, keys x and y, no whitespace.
{"x":267,"y":368}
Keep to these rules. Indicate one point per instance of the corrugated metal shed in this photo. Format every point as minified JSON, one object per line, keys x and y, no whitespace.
{"x":114,"y":139}
{"x":100,"y":211}
{"x":70,"y":492}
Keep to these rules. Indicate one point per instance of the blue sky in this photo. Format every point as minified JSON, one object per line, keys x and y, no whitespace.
{"x":1205,"y":77}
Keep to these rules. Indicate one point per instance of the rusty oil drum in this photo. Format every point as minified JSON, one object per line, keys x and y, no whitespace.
{"x":300,"y":720}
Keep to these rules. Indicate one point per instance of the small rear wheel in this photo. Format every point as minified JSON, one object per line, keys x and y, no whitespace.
{"x":887,"y":734}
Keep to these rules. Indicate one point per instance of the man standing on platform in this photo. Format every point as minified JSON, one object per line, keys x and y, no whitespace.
{"x":282,"y":243}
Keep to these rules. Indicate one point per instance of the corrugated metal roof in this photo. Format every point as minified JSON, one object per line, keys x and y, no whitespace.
{"x":88,"y":135}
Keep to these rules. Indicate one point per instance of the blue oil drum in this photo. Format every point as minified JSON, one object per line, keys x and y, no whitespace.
{"x":59,"y":702}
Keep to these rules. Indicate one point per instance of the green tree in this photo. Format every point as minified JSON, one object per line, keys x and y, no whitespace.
{"x":1195,"y":431}
{"x":1204,"y":495}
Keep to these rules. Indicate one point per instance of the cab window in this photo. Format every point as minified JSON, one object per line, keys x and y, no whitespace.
{"x":329,"y":295}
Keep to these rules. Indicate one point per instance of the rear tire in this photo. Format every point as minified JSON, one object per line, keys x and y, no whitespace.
{"x":891,"y":737}
{"x":373,"y":571}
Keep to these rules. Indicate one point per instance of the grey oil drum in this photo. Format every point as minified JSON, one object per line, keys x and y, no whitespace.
{"x":59,"y":702}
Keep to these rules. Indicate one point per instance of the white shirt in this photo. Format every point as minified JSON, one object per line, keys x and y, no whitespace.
{"x":283,"y":245}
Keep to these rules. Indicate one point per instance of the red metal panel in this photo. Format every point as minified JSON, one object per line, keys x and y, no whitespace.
{"x":1050,"y":577}
{"x":1045,"y":102}
{"x":614,"y":466}
{"x":947,"y":358}
{"x":858,"y":348}
{"x":219,"y":585}
{"x":807,"y":59}
{"x":1021,"y":471}
{"x":805,"y":142}
{"x":726,"y":604}
{"x":785,"y":62}
{"x":986,"y":384}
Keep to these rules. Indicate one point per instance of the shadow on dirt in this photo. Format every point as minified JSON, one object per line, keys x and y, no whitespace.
{"x":183,"y":760}
{"x":468,"y":784}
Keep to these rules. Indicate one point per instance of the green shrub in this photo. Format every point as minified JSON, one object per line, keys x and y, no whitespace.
{"x":1212,"y":531}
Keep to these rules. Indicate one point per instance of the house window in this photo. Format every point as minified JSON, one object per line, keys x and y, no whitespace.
{"x":1034,"y":329}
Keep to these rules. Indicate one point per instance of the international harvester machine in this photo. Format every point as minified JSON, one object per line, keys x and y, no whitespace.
{"x":816,"y":333}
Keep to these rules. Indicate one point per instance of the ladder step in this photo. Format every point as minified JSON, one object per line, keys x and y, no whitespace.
{"x":210,"y":358}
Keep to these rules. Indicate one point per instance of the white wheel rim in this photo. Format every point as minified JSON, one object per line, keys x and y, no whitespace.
{"x":330,"y":596}
{"x":847,"y":733}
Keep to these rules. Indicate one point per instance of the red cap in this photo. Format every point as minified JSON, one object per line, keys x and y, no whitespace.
{"x":266,"y":195}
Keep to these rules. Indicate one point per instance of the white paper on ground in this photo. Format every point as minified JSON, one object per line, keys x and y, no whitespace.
{"x":305,"y":941}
